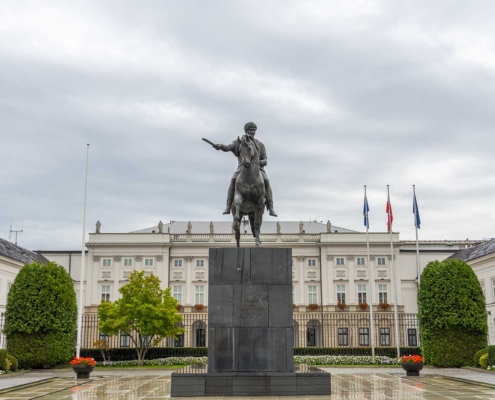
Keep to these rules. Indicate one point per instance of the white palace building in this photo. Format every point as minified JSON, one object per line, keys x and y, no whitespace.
{"x":330,"y":273}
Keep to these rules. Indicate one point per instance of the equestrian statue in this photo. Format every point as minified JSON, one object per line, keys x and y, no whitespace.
{"x":249,"y":191}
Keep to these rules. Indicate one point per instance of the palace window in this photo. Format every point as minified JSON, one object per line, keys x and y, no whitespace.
{"x":380,"y":260}
{"x":200,"y":263}
{"x":341,"y":293}
{"x":148,"y":262}
{"x":382,"y":294}
{"x":384,"y":336}
{"x":343,"y":336}
{"x":105,"y":293}
{"x":311,"y":262}
{"x":339,"y":261}
{"x":104,"y":336}
{"x":412,"y":338}
{"x":364,"y":336}
{"x":360,"y":261}
{"x":361,"y":293}
{"x":177,"y":263}
{"x":128,"y":262}
{"x":312,"y":295}
{"x":107,"y":262}
{"x":200,"y":295}
{"x":125,"y":340}
{"x":177,"y":293}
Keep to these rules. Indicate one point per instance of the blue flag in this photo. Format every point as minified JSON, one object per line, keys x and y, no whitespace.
{"x":366,"y":209}
{"x":417,"y":220}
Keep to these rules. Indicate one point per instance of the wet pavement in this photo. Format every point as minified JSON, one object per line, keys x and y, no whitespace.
{"x":375,"y":384}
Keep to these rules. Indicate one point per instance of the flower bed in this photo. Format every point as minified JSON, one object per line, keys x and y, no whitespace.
{"x":311,"y":360}
{"x":343,"y":360}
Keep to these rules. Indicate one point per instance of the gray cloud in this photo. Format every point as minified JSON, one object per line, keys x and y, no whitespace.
{"x":344,"y":94}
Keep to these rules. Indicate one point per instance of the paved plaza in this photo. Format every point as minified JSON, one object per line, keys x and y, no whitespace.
{"x":347,"y":383}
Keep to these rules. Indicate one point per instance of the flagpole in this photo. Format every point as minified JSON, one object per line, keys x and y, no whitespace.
{"x":417,"y":241}
{"x":83,"y":261}
{"x":394,"y":289}
{"x":372,"y":324}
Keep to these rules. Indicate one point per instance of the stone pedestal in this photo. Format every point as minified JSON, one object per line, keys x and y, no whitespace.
{"x":250,"y":330}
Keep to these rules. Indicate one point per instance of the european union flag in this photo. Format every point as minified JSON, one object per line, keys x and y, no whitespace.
{"x":417,"y":219}
{"x":366,"y":209}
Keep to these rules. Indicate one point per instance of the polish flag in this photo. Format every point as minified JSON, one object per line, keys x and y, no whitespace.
{"x":390,"y":214}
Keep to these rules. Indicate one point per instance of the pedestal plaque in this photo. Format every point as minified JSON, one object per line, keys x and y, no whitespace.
{"x":250,"y":330}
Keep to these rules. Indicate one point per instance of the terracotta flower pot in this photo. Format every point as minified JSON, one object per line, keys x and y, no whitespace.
{"x":83,"y":371}
{"x":412,"y":369}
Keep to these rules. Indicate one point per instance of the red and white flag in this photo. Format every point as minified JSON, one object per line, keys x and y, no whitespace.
{"x":390,"y":215}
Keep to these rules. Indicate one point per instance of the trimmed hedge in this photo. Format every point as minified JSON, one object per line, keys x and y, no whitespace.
{"x":124,"y":354}
{"x":41,"y":316}
{"x":166,"y":352}
{"x":452,"y":314}
{"x":355,"y":351}
{"x":3,"y":356}
{"x":13,"y":360}
{"x":477,"y":356}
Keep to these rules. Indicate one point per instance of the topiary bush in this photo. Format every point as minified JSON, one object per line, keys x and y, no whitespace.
{"x":484,"y":361}
{"x":14,"y":363}
{"x":452,"y":314}
{"x":477,"y":355}
{"x":41,"y":316}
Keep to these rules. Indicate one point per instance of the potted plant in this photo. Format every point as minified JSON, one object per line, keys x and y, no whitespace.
{"x":83,"y":366}
{"x":384,"y":306}
{"x":341,"y":305}
{"x":363,"y":306}
{"x":313,"y":307}
{"x":293,"y":306}
{"x":199,"y":307}
{"x":412,"y":364}
{"x":179,"y":307}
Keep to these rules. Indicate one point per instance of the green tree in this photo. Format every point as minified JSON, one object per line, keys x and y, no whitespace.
{"x":452,"y":314}
{"x":145,"y":312}
{"x":41,"y":316}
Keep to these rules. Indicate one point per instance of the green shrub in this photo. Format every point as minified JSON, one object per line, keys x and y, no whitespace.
{"x":491,"y":355}
{"x":41,"y":316}
{"x":484,"y":361}
{"x":476,"y":359}
{"x":3,"y":357}
{"x":14,"y":363}
{"x":452,"y":314}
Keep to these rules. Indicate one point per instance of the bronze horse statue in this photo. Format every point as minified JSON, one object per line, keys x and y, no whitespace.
{"x":249,"y":197}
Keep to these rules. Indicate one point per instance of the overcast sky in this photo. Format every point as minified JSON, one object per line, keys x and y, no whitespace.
{"x":344,"y":93}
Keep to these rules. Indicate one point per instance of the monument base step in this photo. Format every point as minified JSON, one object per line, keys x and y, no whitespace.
{"x":195,"y":381}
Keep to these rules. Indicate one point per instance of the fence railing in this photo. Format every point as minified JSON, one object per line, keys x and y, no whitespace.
{"x":311,"y":330}
{"x":337,"y":333}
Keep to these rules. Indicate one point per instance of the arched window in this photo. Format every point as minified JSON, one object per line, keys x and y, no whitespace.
{"x":198,"y":336}
{"x":313,"y":333}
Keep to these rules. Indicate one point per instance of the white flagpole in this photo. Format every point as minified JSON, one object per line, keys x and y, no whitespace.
{"x":370,"y":281}
{"x":394,"y":289}
{"x":83,"y":261}
{"x":417,"y":241}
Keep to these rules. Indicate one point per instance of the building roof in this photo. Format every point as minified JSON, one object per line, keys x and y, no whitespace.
{"x":18,"y":253}
{"x":225,"y":227}
{"x":471,"y":253}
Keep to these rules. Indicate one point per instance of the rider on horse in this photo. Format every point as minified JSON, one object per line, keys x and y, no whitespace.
{"x":249,"y":129}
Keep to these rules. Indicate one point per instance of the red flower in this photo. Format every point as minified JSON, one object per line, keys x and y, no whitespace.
{"x":411,"y":359}
{"x":83,"y":361}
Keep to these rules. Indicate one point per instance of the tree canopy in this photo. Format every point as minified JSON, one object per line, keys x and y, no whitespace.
{"x":41,"y":316}
{"x":145,"y":312}
{"x":452,"y":314}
